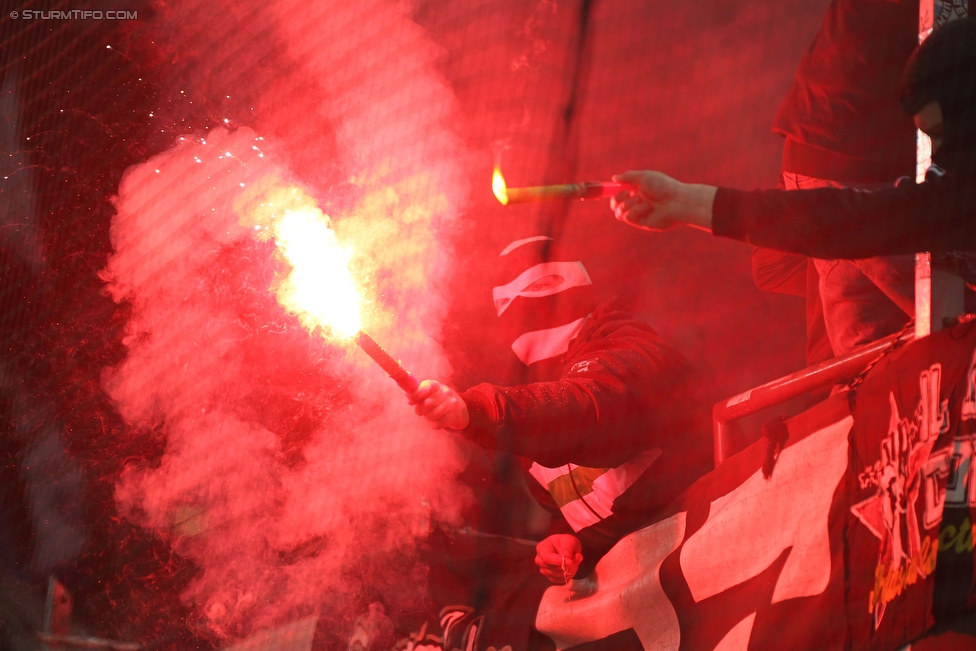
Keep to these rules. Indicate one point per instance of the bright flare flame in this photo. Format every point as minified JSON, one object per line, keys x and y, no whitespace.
{"x":319,"y":289}
{"x":499,"y":188}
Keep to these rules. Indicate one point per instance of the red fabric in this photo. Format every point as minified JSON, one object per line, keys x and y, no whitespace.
{"x":811,"y":622}
{"x":740,"y":561}
{"x":906,"y":419}
{"x":843,"y":108}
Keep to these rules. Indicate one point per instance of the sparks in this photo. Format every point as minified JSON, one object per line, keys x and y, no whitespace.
{"x":320,"y":289}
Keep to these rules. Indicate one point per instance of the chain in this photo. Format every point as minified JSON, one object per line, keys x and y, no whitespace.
{"x":897,"y":343}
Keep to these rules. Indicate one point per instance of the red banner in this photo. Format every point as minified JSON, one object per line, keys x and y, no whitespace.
{"x":860,"y":538}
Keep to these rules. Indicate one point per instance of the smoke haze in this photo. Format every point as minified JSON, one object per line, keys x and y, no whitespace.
{"x":234,"y":436}
{"x":293,"y":469}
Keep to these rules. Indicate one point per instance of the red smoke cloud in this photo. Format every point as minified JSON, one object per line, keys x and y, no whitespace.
{"x":291,"y":462}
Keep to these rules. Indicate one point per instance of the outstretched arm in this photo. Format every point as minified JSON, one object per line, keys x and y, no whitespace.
{"x":937,"y":215}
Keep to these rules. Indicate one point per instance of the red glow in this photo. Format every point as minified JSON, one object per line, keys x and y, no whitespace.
{"x":281,"y":445}
{"x":319,"y":288}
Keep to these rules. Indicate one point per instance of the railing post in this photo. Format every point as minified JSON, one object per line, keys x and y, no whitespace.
{"x":938,"y":294}
{"x":721,"y":443}
{"x":923,"y":295}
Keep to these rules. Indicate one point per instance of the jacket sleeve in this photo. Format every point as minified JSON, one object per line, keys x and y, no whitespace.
{"x":938,"y":215}
{"x":616,"y":400}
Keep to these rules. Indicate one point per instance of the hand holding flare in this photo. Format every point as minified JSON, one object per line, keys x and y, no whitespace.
{"x":656,"y":202}
{"x":440,"y":405}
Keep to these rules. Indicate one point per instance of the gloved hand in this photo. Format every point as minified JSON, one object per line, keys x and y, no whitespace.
{"x":440,"y":405}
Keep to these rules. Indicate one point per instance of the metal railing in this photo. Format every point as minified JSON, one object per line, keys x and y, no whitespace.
{"x":791,"y":386}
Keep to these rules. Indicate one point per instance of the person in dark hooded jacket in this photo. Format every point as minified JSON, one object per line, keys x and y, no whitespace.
{"x":607,"y":432}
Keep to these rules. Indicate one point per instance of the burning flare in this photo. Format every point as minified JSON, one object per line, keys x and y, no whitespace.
{"x":563,"y":192}
{"x":320,"y":289}
{"x":499,"y":188}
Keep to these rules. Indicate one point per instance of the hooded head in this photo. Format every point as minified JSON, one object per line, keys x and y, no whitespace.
{"x":943,"y":71}
{"x":542,"y":298}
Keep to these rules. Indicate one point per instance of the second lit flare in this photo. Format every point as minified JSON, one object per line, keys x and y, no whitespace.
{"x":586,"y":190}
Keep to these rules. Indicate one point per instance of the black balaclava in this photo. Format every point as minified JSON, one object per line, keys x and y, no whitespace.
{"x":542,"y":298}
{"x":943,"y":70}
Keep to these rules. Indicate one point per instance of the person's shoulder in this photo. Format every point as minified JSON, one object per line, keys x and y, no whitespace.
{"x":612,"y":318}
{"x":613,"y":326}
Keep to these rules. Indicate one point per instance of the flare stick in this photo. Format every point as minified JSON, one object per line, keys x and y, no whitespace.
{"x":587,"y":190}
{"x":392,"y":367}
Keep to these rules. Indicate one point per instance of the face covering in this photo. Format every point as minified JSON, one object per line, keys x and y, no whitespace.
{"x":943,"y":70}
{"x":542,"y":298}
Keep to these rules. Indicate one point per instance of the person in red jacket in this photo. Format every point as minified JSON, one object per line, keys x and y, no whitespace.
{"x":606,"y":431}
{"x":843,"y":127}
{"x":938,"y":215}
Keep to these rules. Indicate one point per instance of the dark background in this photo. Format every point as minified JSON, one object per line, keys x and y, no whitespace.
{"x":555,"y":91}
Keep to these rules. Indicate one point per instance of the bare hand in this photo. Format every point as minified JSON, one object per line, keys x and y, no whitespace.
{"x":440,"y":405}
{"x":658,"y":202}
{"x":558,"y":557}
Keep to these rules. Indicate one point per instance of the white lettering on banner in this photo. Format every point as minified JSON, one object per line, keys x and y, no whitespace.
{"x":629,"y":594}
{"x":904,"y":468}
{"x":932,"y":413}
{"x":952,"y":469}
{"x":961,"y":485}
{"x":968,"y":411}
{"x":934,"y":473}
{"x":734,"y":545}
